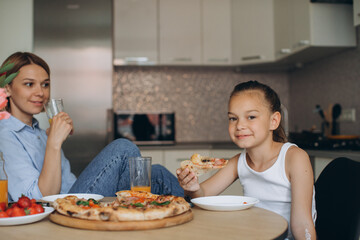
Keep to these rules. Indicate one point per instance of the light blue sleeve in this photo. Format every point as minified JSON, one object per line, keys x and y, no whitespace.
{"x":23,"y":173}
{"x":67,"y":177}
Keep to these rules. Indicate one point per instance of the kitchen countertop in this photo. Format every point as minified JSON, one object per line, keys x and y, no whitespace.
{"x":192,"y":145}
{"x":355,"y":155}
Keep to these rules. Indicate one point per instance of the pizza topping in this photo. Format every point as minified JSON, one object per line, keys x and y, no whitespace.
{"x":91,"y":203}
{"x":160,"y":203}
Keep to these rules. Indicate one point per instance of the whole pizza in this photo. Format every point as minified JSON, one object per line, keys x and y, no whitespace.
{"x":128,"y":206}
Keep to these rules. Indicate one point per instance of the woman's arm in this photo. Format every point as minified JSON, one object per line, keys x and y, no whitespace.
{"x":300,"y":174}
{"x":50,"y":175}
{"x":215,"y":185}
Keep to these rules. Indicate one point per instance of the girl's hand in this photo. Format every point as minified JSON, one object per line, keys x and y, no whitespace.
{"x":61,"y":126}
{"x":188,"y":180}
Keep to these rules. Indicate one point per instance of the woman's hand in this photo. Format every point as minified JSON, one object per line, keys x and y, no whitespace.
{"x":61,"y":126}
{"x":188,"y":180}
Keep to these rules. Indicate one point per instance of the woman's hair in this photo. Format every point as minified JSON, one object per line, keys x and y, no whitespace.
{"x":271,"y":97}
{"x":20,"y":59}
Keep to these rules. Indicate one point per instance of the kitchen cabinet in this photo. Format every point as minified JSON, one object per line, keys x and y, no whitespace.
{"x":319,"y":164}
{"x":16,"y":27}
{"x":216,"y":34}
{"x":252,"y":31}
{"x":179,"y":32}
{"x":300,"y":24}
{"x":157,"y":156}
{"x":283,"y":26}
{"x":356,"y":6}
{"x":135,"y":32}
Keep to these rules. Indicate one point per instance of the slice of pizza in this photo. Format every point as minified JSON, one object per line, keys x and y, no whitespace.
{"x":202,"y":164}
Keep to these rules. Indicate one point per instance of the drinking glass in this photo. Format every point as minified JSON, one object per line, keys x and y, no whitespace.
{"x":140,"y":173}
{"x":53,"y":107}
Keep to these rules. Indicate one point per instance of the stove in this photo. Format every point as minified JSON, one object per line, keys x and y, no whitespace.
{"x":316,"y":141}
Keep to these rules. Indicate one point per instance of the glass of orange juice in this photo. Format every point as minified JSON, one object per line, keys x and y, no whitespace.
{"x":53,"y":107}
{"x":140,"y":173}
{"x":3,"y":181}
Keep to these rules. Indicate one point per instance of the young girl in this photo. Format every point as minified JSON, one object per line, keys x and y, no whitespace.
{"x":270,"y":169}
{"x":34,"y":161}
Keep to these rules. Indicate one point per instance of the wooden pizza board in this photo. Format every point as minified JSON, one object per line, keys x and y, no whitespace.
{"x":124,"y":225}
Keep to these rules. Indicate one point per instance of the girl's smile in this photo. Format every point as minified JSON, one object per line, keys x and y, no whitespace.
{"x":249,"y":119}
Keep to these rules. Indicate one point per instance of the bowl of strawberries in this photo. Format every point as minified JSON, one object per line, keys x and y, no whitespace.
{"x":24,"y":211}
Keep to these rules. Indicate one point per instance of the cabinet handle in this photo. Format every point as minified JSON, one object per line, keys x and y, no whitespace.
{"x":304,"y":42}
{"x":136,"y":59}
{"x":126,"y":60}
{"x":182,"y":59}
{"x":255,"y":57}
{"x":285,"y":50}
{"x":218,"y":60}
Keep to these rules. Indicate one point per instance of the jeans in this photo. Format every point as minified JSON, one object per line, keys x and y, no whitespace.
{"x":109,"y":172}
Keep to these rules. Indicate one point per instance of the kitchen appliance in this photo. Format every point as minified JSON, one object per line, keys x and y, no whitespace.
{"x":316,"y":141}
{"x":324,"y":124}
{"x":333,"y":1}
{"x":155,"y":128}
{"x":336,"y":112}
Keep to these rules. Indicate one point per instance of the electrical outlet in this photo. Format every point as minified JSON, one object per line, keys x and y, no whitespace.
{"x":348,"y":115}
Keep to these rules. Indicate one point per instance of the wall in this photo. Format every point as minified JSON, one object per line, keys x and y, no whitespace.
{"x":335,"y":79}
{"x":197,"y":95}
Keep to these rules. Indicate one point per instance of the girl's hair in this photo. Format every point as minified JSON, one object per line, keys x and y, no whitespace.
{"x":271,"y":97}
{"x":20,"y":59}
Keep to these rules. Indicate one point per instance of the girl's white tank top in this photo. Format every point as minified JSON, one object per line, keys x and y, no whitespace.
{"x":271,"y":186}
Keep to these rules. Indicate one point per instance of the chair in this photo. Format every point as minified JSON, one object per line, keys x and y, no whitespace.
{"x":337,"y":195}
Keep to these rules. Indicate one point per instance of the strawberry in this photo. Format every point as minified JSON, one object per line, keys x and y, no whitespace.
{"x":9,"y":211}
{"x":39,"y":208}
{"x":3,"y":206}
{"x":31,"y":210}
{"x":24,"y":201}
{"x":18,"y":212}
{"x":3,"y":214}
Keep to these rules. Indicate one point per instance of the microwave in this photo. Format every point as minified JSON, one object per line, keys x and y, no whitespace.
{"x":155,"y":128}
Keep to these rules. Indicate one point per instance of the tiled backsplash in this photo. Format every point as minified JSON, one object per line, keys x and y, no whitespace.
{"x":198,"y":96}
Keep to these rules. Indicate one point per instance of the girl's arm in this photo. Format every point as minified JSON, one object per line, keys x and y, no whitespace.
{"x":50,"y":175}
{"x":300,"y":175}
{"x":215,"y":185}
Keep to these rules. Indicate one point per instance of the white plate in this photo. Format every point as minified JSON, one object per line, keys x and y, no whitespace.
{"x":225,"y":203}
{"x":26,"y":219}
{"x":52,"y":198}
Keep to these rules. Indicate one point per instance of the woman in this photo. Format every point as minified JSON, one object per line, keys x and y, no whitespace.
{"x":35,"y":163}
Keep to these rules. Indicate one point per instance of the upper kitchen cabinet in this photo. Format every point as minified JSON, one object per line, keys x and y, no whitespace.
{"x":252,"y":31}
{"x":283,"y":27}
{"x":216,"y":37}
{"x":356,"y":6}
{"x":312,"y":30}
{"x":135,"y":32}
{"x":16,"y":32}
{"x":180,"y":32}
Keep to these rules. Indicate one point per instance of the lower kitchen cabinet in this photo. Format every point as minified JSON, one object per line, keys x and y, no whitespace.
{"x":171,"y":159}
{"x":319,"y":164}
{"x":156,"y":155}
